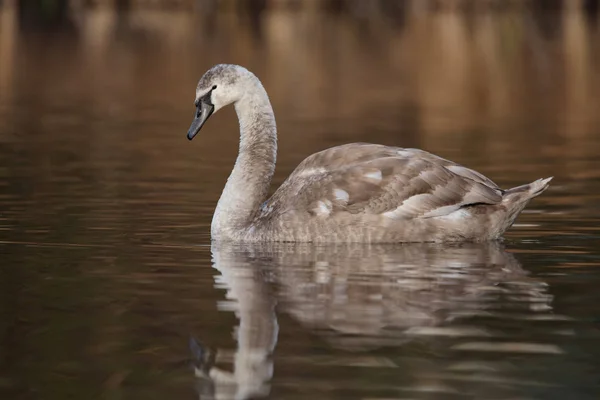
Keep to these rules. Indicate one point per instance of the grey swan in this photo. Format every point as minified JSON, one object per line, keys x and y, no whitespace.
{"x":356,"y":192}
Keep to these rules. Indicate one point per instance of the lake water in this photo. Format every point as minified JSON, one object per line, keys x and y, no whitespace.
{"x":110,"y":287}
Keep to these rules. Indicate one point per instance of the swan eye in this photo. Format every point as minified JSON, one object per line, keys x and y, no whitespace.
{"x":214,"y":87}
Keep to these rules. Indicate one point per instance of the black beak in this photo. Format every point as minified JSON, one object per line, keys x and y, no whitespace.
{"x":204,"y":109}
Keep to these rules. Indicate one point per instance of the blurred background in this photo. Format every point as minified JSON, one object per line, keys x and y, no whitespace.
{"x":105,"y":207}
{"x":442,"y":75}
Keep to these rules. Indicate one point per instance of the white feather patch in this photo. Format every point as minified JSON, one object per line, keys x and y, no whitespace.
{"x":323,"y":208}
{"x":341,"y":195}
{"x":408,"y":207}
{"x":441,"y":211}
{"x":420,"y":205}
{"x":375,"y":175}
{"x":312,"y":171}
{"x":459,"y":214}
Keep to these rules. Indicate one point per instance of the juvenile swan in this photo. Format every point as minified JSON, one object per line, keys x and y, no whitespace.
{"x":356,"y":192}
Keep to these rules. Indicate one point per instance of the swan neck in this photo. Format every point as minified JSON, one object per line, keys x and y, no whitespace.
{"x":248,"y":185}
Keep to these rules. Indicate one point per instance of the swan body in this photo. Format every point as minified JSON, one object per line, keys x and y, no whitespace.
{"x":356,"y":192}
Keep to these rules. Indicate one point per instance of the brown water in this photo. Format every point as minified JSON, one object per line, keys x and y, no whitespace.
{"x":107,"y":268}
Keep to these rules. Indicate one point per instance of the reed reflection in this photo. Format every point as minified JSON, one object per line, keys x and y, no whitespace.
{"x":356,"y":297}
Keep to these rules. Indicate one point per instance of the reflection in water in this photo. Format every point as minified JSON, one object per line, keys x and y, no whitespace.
{"x":359,"y":298}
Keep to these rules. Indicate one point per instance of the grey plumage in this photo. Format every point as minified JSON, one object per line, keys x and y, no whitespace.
{"x":356,"y":192}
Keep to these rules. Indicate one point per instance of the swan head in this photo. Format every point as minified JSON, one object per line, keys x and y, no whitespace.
{"x":220,"y":86}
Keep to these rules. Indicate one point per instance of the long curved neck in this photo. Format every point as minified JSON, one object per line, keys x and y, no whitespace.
{"x":248,"y":185}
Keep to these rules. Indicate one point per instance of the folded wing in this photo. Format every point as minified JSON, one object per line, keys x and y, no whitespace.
{"x":373,"y":179}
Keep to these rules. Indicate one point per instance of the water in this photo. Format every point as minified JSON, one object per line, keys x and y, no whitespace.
{"x":110,"y":287}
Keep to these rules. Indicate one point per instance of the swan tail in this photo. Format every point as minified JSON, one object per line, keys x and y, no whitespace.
{"x":526,"y":192}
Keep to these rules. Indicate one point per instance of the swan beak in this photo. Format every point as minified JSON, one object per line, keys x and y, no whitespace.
{"x":203,"y":112}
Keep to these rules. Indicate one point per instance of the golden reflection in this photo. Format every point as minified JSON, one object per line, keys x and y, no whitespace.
{"x":7,"y":48}
{"x":359,"y":298}
{"x":497,"y":79}
{"x":460,"y":69}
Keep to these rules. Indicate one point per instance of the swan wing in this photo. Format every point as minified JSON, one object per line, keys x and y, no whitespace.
{"x":373,"y":179}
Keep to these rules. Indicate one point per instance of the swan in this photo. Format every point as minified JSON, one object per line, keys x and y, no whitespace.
{"x":356,"y":192}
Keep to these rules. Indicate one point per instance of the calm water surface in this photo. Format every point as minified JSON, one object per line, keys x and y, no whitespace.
{"x":110,"y":287}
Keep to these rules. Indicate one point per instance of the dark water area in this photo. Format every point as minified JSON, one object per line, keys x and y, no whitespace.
{"x":110,"y":287}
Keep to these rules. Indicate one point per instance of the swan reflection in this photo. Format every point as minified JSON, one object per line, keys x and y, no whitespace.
{"x":356,"y":297}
